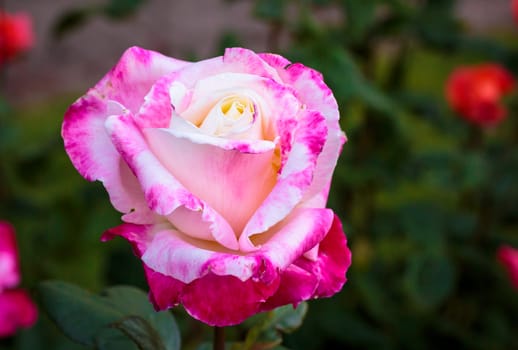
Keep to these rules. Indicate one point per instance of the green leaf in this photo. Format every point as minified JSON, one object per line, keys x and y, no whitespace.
{"x":166,"y":326}
{"x":266,"y":328}
{"x":140,"y":332}
{"x":78,"y":313}
{"x":288,"y":318}
{"x":98,"y":320}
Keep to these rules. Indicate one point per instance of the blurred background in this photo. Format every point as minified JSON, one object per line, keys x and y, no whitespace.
{"x":427,"y":195}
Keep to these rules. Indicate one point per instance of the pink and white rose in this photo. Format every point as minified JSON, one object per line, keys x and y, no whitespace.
{"x":222,"y":170}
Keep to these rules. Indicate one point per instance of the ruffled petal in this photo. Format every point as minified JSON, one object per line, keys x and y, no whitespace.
{"x":86,"y":141}
{"x":296,"y":285}
{"x":306,"y":279}
{"x":334,"y":259}
{"x":295,"y":177}
{"x":227,"y":288}
{"x":186,"y":259}
{"x":134,"y":75}
{"x":216,"y":300}
{"x":315,"y":94}
{"x":163,"y":192}
{"x":173,"y":254}
{"x":9,"y":268}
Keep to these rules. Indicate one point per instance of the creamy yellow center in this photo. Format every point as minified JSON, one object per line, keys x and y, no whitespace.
{"x":232,"y":114}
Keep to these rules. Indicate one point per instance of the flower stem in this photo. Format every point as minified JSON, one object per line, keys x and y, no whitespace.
{"x":219,"y":338}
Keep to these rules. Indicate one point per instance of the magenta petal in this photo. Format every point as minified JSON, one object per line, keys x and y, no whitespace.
{"x":164,"y":291}
{"x":17,"y":310}
{"x":139,"y":236}
{"x":134,"y":75}
{"x":296,"y":285}
{"x":334,"y":258}
{"x":225,"y":300}
{"x":9,"y":268}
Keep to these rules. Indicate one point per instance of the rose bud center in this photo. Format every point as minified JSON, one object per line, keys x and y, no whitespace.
{"x":232,"y":114}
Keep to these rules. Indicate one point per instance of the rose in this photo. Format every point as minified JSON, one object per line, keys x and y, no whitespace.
{"x":222,"y":169}
{"x":16,"y":35}
{"x":508,"y":258}
{"x":475,"y":92}
{"x":16,"y":307}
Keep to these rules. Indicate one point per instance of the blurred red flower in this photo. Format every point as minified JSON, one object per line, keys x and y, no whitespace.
{"x":514,"y":9}
{"x":16,"y":35}
{"x":16,"y":307}
{"x":475,"y":92}
{"x":508,"y":257}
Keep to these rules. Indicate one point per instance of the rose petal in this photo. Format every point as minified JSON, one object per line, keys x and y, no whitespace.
{"x":232,"y":181}
{"x":9,"y":268}
{"x":186,"y":259}
{"x":252,"y":281}
{"x":315,"y":94}
{"x":296,"y":285}
{"x":225,"y":300}
{"x":86,"y":141}
{"x":307,"y":279}
{"x":162,"y":191}
{"x":215,"y":300}
{"x":334,"y":258}
{"x":134,"y":75}
{"x":295,"y":177}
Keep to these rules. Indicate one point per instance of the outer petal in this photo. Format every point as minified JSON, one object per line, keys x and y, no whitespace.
{"x":307,"y":279}
{"x":334,"y":258}
{"x":228,"y":287}
{"x":215,"y":300}
{"x":134,"y":75}
{"x":187,"y":259}
{"x":9,"y":269}
{"x":296,"y":175}
{"x":86,"y":140}
{"x":163,"y":193}
{"x":315,"y":94}
{"x":234,"y":60}
{"x":225,"y":300}
{"x":17,"y":310}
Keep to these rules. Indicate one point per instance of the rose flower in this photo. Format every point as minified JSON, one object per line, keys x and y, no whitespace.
{"x":476,"y":92}
{"x":222,"y":170}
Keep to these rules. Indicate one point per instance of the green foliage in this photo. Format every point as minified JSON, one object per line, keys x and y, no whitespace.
{"x":92,"y":320}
